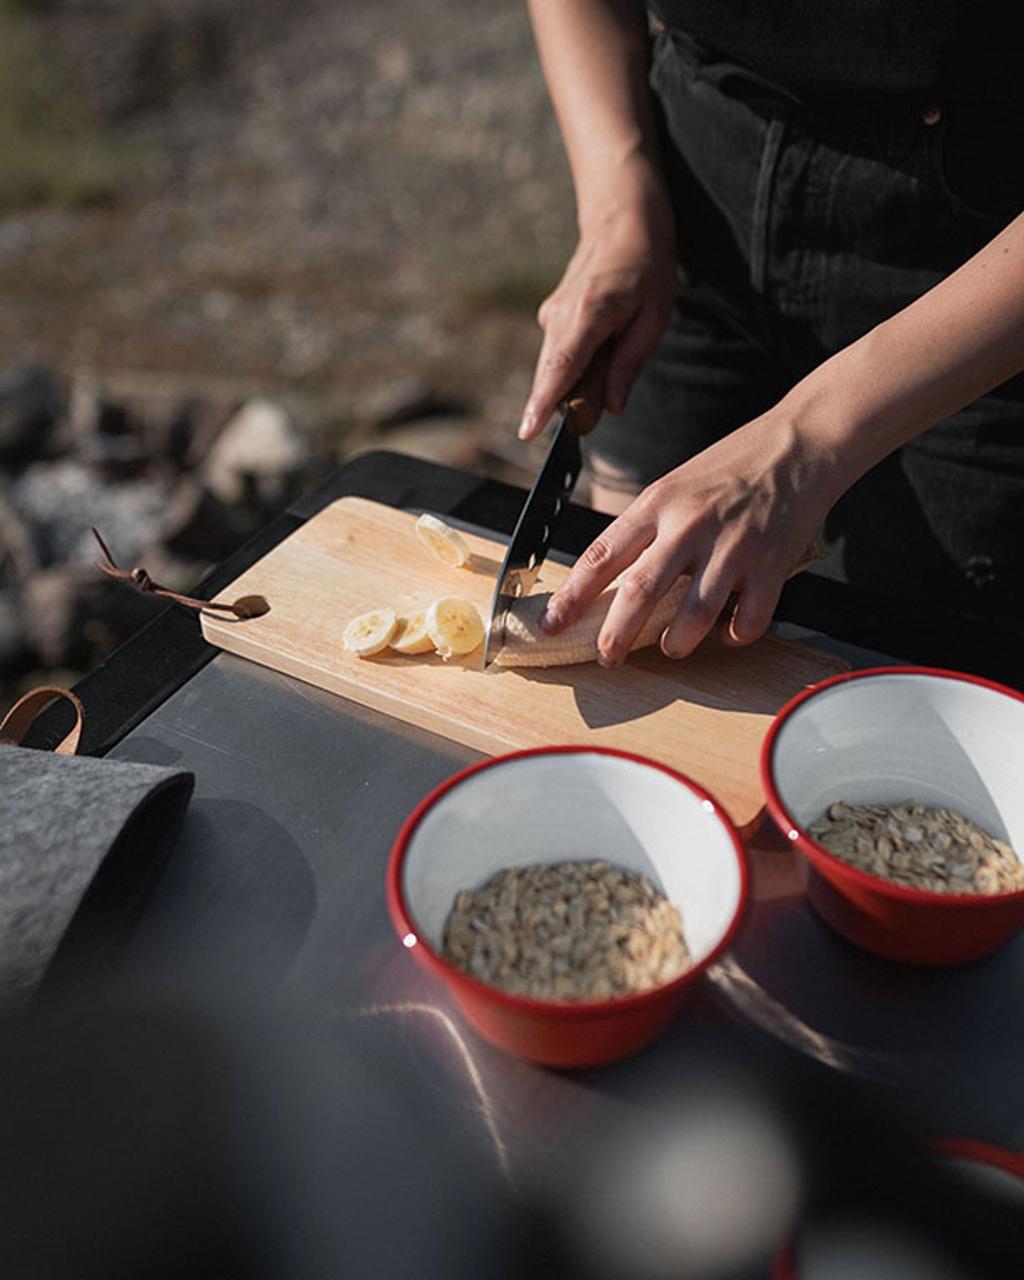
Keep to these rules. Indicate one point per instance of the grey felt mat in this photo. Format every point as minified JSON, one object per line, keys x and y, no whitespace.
{"x":76,"y":832}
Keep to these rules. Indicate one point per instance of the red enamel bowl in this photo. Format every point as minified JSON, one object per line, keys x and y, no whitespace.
{"x":882,"y":736}
{"x":550,"y":805}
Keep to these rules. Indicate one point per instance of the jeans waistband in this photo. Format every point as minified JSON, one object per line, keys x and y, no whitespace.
{"x":873,"y":124}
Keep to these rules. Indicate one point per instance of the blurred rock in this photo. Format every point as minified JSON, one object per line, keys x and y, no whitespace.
{"x":13,"y":638}
{"x":18,"y":556}
{"x":73,"y":615}
{"x":199,"y":526}
{"x":449,"y":441}
{"x":121,"y":456}
{"x":30,"y":404}
{"x":104,"y":433}
{"x":85,"y":405}
{"x":259,"y":457}
{"x":177,"y":434}
{"x":62,"y":501}
{"x":206,"y":420}
{"x":174,"y":417}
{"x":405,"y":400}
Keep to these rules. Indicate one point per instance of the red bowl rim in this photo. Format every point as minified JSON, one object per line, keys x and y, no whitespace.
{"x":980,"y":1151}
{"x":823,"y":857}
{"x":576,"y":1009}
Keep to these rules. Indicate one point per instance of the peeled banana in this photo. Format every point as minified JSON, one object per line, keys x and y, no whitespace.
{"x":525,"y":645}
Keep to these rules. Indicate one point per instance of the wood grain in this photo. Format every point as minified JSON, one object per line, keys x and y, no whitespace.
{"x":704,"y":716}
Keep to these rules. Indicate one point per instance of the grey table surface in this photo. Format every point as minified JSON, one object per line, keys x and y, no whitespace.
{"x":276,"y":890}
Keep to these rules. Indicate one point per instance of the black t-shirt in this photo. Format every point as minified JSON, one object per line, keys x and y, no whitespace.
{"x":930,"y":50}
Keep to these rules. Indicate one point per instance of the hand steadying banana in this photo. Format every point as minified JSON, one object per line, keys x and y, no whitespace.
{"x":451,"y":626}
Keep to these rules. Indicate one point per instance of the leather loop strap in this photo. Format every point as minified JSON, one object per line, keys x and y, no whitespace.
{"x":15,"y":723}
{"x":244,"y":607}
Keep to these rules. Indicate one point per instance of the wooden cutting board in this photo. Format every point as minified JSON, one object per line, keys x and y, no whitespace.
{"x":704,"y":716}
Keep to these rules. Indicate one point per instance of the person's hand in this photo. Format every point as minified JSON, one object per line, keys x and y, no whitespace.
{"x":736,"y":518}
{"x":618,"y":288}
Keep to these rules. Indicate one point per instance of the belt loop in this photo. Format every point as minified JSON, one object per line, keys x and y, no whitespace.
{"x":762,"y":211}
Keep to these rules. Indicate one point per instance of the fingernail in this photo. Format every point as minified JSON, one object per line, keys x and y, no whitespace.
{"x":549,"y":618}
{"x":603,"y":660}
{"x":528,"y":423}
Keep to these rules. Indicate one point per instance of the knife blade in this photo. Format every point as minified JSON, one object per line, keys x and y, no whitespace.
{"x":545,"y":506}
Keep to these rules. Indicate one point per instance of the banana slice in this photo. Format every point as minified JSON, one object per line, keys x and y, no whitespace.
{"x":370,"y":633}
{"x":412,"y":635}
{"x":444,"y":542}
{"x":455,"y":626}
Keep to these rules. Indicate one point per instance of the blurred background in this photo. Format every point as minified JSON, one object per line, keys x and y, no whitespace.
{"x":240,"y":244}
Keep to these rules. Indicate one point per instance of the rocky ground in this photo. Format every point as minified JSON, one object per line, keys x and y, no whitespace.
{"x":348,"y":209}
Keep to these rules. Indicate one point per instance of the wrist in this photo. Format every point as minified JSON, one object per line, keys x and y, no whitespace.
{"x":842,"y":420}
{"x":631,"y":188}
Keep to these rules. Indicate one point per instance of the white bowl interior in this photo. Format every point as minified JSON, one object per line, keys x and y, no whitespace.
{"x":575,"y":806}
{"x":881,"y":739}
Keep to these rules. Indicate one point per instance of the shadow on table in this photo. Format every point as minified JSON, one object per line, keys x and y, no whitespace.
{"x":168,"y":1138}
{"x":952,"y":1037}
{"x":756,"y":680}
{"x":227,"y":911}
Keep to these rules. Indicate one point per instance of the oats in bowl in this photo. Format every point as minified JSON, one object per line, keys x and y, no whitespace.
{"x":923,"y":848}
{"x":567,"y":931}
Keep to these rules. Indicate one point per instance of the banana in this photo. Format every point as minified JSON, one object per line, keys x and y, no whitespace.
{"x":370,"y":633}
{"x":525,"y":645}
{"x":412,"y":635}
{"x":444,"y":542}
{"x":455,"y":626}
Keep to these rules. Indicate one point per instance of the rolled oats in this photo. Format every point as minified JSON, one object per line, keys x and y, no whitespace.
{"x":567,"y":931}
{"x":911,"y":844}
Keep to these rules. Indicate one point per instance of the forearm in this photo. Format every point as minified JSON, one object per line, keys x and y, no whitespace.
{"x":956,"y":342}
{"x":594,"y":55}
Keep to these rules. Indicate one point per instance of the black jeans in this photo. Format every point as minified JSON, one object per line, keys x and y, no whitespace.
{"x":798,"y":231}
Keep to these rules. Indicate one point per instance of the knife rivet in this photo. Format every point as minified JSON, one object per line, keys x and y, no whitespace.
{"x":569,"y":478}
{"x":558,"y":506}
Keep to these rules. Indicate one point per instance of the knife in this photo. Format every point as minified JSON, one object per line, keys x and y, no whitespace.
{"x":544,"y":508}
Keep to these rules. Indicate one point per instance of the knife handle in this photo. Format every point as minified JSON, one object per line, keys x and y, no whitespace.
{"x":585,"y":402}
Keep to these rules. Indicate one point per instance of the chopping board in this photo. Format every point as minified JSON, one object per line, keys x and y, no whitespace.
{"x":704,"y":716}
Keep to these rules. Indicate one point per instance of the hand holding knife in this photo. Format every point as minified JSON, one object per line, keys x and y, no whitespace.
{"x":550,"y":495}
